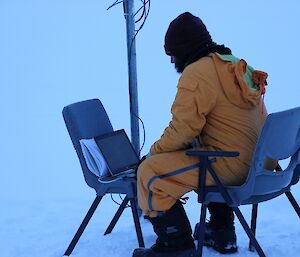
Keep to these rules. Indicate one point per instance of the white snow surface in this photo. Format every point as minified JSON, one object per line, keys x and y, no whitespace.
{"x":45,"y":228}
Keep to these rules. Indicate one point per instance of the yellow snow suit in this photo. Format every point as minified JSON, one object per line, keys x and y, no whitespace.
{"x":217,"y":102}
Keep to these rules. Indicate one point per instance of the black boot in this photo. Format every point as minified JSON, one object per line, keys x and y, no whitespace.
{"x":219,"y":231}
{"x":174,"y":235}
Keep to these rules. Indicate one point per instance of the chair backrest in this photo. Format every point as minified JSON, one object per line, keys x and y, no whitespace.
{"x":86,"y":119}
{"x":279,"y":139}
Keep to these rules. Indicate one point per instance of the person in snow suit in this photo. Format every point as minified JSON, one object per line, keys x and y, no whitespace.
{"x":219,"y":100}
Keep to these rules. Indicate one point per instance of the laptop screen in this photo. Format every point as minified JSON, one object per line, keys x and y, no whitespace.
{"x":117,"y":151}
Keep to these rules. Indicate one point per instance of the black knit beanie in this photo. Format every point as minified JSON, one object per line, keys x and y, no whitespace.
{"x":186,"y":34}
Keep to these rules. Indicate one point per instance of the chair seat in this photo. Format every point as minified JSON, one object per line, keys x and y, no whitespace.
{"x":212,"y":194}
{"x":267,"y":185}
{"x":262,"y":198}
{"x":123,"y":186}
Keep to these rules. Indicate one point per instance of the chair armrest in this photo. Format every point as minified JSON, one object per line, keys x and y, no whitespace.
{"x":205,"y":165}
{"x":211,"y":153}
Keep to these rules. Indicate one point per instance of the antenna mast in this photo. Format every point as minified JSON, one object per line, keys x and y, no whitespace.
{"x":132,"y":73}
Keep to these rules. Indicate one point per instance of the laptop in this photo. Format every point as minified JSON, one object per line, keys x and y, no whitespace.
{"x":119,"y":155}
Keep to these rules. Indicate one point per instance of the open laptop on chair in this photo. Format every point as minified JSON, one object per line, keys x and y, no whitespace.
{"x":119,"y":155}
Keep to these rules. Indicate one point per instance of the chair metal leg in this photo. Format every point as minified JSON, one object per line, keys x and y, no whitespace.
{"x":137,"y":222}
{"x":293,"y":202}
{"x":248,"y":231}
{"x":253,"y":224}
{"x":83,"y":225}
{"x":201,"y":231}
{"x":117,"y":216}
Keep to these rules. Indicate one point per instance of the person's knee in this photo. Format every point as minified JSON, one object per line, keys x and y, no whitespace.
{"x":142,"y":180}
{"x":142,"y":171}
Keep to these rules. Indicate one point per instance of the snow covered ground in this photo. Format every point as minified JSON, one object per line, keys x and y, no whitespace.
{"x":45,"y":228}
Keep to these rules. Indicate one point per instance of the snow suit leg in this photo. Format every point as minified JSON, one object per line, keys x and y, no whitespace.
{"x":164,"y":178}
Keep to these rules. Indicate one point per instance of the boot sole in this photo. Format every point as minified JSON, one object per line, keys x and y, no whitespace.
{"x":142,"y":252}
{"x":211,"y":244}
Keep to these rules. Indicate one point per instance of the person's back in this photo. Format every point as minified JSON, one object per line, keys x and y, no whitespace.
{"x":236,"y":112}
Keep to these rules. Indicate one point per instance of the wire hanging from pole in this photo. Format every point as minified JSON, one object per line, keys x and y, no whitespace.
{"x":114,"y":4}
{"x":145,"y":8}
{"x":145,"y":14}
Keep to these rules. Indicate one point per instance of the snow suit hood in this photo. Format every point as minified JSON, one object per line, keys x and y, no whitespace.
{"x":242,"y":85}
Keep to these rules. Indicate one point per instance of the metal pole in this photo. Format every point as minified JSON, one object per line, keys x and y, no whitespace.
{"x":132,"y":73}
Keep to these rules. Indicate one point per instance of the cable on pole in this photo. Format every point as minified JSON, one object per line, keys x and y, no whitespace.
{"x":114,"y":4}
{"x":145,"y":9}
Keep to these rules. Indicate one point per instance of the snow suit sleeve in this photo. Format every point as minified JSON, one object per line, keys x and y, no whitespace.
{"x":194,"y":100}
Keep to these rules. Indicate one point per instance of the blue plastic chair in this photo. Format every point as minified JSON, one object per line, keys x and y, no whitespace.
{"x":88,"y":119}
{"x":279,"y":139}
